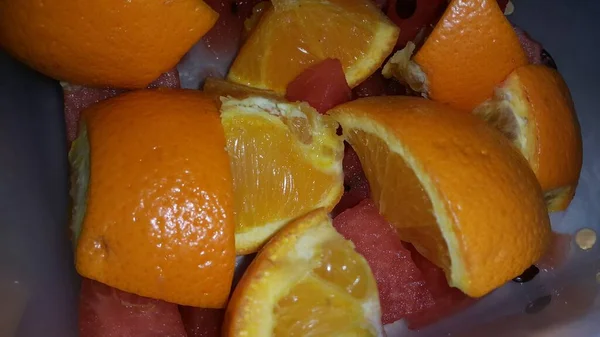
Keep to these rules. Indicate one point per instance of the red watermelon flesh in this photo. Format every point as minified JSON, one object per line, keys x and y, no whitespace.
{"x":322,"y":85}
{"x":109,"y":312}
{"x":401,"y":284}
{"x":77,"y":98}
{"x":447,"y":300}
{"x":201,"y":322}
{"x":355,"y":182}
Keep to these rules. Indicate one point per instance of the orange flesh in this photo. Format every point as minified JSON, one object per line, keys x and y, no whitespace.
{"x":400,"y":190}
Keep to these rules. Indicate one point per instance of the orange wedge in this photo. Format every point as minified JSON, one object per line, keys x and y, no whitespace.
{"x":291,"y":35}
{"x":453,"y":187}
{"x":286,"y":161}
{"x":153,"y":197}
{"x":307,"y":281}
{"x":533,"y":107}
{"x":103,"y":43}
{"x":471,"y":49}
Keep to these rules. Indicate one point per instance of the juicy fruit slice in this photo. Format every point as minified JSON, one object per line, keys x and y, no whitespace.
{"x":202,"y":322}
{"x":322,"y":85}
{"x":106,"y":43}
{"x":533,"y":107}
{"x":109,"y":312}
{"x":422,"y":160}
{"x":276,"y":184}
{"x":78,"y":98}
{"x":169,"y":234}
{"x":401,"y":285}
{"x":471,"y":49}
{"x":307,"y":281}
{"x":295,"y":34}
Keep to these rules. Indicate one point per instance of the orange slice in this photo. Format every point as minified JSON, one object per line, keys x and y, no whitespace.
{"x":307,"y":281}
{"x":533,"y":107}
{"x":286,"y":161}
{"x":103,"y":43}
{"x":471,"y":49}
{"x":294,"y":34}
{"x":453,"y":187}
{"x":153,"y":196}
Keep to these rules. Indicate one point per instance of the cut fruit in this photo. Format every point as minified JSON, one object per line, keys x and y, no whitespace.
{"x":446,"y":300}
{"x":356,"y":186}
{"x":103,"y":43}
{"x":202,"y":322}
{"x":286,"y":161}
{"x":109,"y":312}
{"x":401,"y":285}
{"x":534,"y":109}
{"x":471,"y":49}
{"x":453,"y":187}
{"x":307,"y":281}
{"x":294,"y":34}
{"x":322,"y":85}
{"x":217,"y":88}
{"x":153,"y":197}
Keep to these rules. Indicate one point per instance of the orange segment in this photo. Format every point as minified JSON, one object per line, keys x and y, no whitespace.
{"x":154,"y":197}
{"x":113,"y":43}
{"x":471,"y":49}
{"x":294,"y":34}
{"x":286,"y":160}
{"x":307,"y":281}
{"x":453,"y":187}
{"x":533,"y":107}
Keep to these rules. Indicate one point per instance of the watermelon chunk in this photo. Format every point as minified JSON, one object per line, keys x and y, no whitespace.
{"x":201,"y":322}
{"x":109,"y":312}
{"x":446,"y":300}
{"x":401,"y":284}
{"x":355,"y":182}
{"x":322,"y":85}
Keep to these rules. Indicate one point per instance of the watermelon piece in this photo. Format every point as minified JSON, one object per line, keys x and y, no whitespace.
{"x":401,"y":284}
{"x":201,"y":322}
{"x":108,"y":312}
{"x":356,"y":186}
{"x":446,"y":300}
{"x":322,"y":85}
{"x":77,"y":98}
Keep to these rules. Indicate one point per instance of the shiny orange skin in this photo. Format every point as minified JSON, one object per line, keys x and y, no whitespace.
{"x":496,"y":224}
{"x":471,"y":50}
{"x":159,"y":220}
{"x":554,"y":146}
{"x":115,"y":43}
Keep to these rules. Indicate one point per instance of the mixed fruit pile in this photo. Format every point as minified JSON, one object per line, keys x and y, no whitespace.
{"x":332,"y":166}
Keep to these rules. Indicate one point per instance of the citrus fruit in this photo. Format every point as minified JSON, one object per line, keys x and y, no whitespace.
{"x":294,"y":34}
{"x":286,"y":160}
{"x":106,"y":311}
{"x":401,"y":285}
{"x":451,"y":185}
{"x":113,"y":43}
{"x":534,"y":109}
{"x":153,"y":197}
{"x":471,"y":49}
{"x":307,"y":281}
